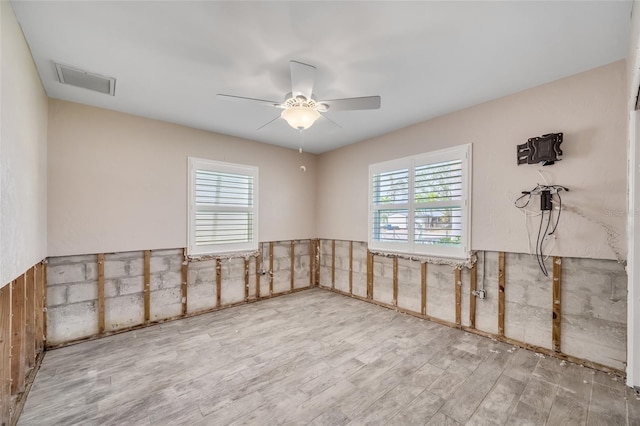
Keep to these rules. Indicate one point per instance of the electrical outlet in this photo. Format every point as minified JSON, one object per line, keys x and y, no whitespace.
{"x":480,"y":294}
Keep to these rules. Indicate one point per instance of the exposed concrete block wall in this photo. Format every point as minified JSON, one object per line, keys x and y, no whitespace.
{"x":72,"y":297}
{"x":528,"y":304}
{"x":594,"y":310}
{"x":358,"y":266}
{"x":72,"y":287}
{"x":593,"y":297}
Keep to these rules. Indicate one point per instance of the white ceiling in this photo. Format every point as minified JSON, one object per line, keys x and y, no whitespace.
{"x":425,"y":59}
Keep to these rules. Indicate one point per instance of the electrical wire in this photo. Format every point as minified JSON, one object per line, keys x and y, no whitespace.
{"x":542,"y":236}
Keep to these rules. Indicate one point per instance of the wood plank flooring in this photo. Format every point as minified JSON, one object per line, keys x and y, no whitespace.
{"x":316,"y":358}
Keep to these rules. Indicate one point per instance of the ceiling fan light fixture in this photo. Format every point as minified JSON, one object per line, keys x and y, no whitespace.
{"x":300,"y":117}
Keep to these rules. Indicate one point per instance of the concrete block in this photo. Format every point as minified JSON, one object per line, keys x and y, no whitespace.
{"x":252,"y":285}
{"x":281,"y":249}
{"x":115,"y":269}
{"x":111,"y":288}
{"x":282,"y":264}
{"x":91,"y":271}
{"x":202,"y":264}
{"x":158,"y":264}
{"x":205,"y":276}
{"x":166,"y":303}
{"x":409,"y":285}
{"x":264,"y":285}
{"x":171,"y":279}
{"x":487,"y":309}
{"x":528,"y":324}
{"x":360,"y":251}
{"x":82,"y":292}
{"x":359,"y":266}
{"x":71,"y":322}
{"x":155,"y":282}
{"x":200,"y":297}
{"x":325,"y":276}
{"x":441,"y":299}
{"x":301,"y":248}
{"x":383,"y":279}
{"x":233,"y":268}
{"x":136,"y":267}
{"x":281,"y":281}
{"x":56,"y":295}
{"x":175,"y":263}
{"x":65,"y":274}
{"x":360,"y":284}
{"x":325,"y":248}
{"x":232,"y":290}
{"x":342,"y":280}
{"x":124,"y":311}
{"x":594,"y":339}
{"x":342,"y":249}
{"x":192,"y":276}
{"x":131,"y":285}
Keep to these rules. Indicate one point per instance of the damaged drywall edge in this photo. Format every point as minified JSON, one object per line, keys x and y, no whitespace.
{"x":223,"y":256}
{"x":456,"y":263}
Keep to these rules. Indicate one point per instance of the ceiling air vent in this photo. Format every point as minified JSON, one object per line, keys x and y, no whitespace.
{"x":87,"y":80}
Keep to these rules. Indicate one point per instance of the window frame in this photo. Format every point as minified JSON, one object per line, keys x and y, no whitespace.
{"x":224,"y":167}
{"x":462,"y":153}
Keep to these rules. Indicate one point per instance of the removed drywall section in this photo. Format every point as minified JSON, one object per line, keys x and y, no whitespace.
{"x":115,"y":179}
{"x":23,"y":159}
{"x":593,"y":299}
{"x":588,"y":107}
{"x":594,"y":310}
{"x":74,"y":300}
{"x":21,"y":339}
{"x":528,"y":301}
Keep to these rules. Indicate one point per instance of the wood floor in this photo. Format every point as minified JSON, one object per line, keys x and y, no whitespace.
{"x":316,"y":358}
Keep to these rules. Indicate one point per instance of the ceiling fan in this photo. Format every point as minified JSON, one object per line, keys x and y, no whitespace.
{"x":300,"y":107}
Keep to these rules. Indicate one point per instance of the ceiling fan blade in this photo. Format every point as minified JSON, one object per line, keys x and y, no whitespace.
{"x":250,"y":100}
{"x":330,"y":121}
{"x":266,"y":124}
{"x":367,"y":102}
{"x":302,"y":78}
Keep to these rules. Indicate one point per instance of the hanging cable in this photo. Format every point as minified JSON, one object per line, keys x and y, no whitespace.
{"x":547,"y":192}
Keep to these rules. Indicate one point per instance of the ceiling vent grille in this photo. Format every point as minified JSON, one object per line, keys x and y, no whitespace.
{"x":86,"y":80}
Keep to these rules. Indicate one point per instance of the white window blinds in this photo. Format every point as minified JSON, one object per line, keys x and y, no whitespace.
{"x":421,"y":205}
{"x":223,"y":207}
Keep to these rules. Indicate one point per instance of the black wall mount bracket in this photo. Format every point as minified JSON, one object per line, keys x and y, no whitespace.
{"x":543,"y":149}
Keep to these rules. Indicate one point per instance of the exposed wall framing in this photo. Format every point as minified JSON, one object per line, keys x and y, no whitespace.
{"x":557,"y":305}
{"x":147,"y":286}
{"x":178,"y":287}
{"x":101,"y":321}
{"x":501,"y":285}
{"x":423,"y":288}
{"x":21,"y":339}
{"x":184,"y":272}
{"x":293,"y":265}
{"x":473,"y":283}
{"x":526,"y":326}
{"x":348,"y":268}
{"x":458,"y":284}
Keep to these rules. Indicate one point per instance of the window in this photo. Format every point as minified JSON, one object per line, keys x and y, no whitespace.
{"x":223,"y":207}
{"x":422,"y":204}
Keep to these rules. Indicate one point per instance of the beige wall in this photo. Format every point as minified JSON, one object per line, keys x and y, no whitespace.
{"x":118,"y":182}
{"x":23,"y":154}
{"x":588,"y":107}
